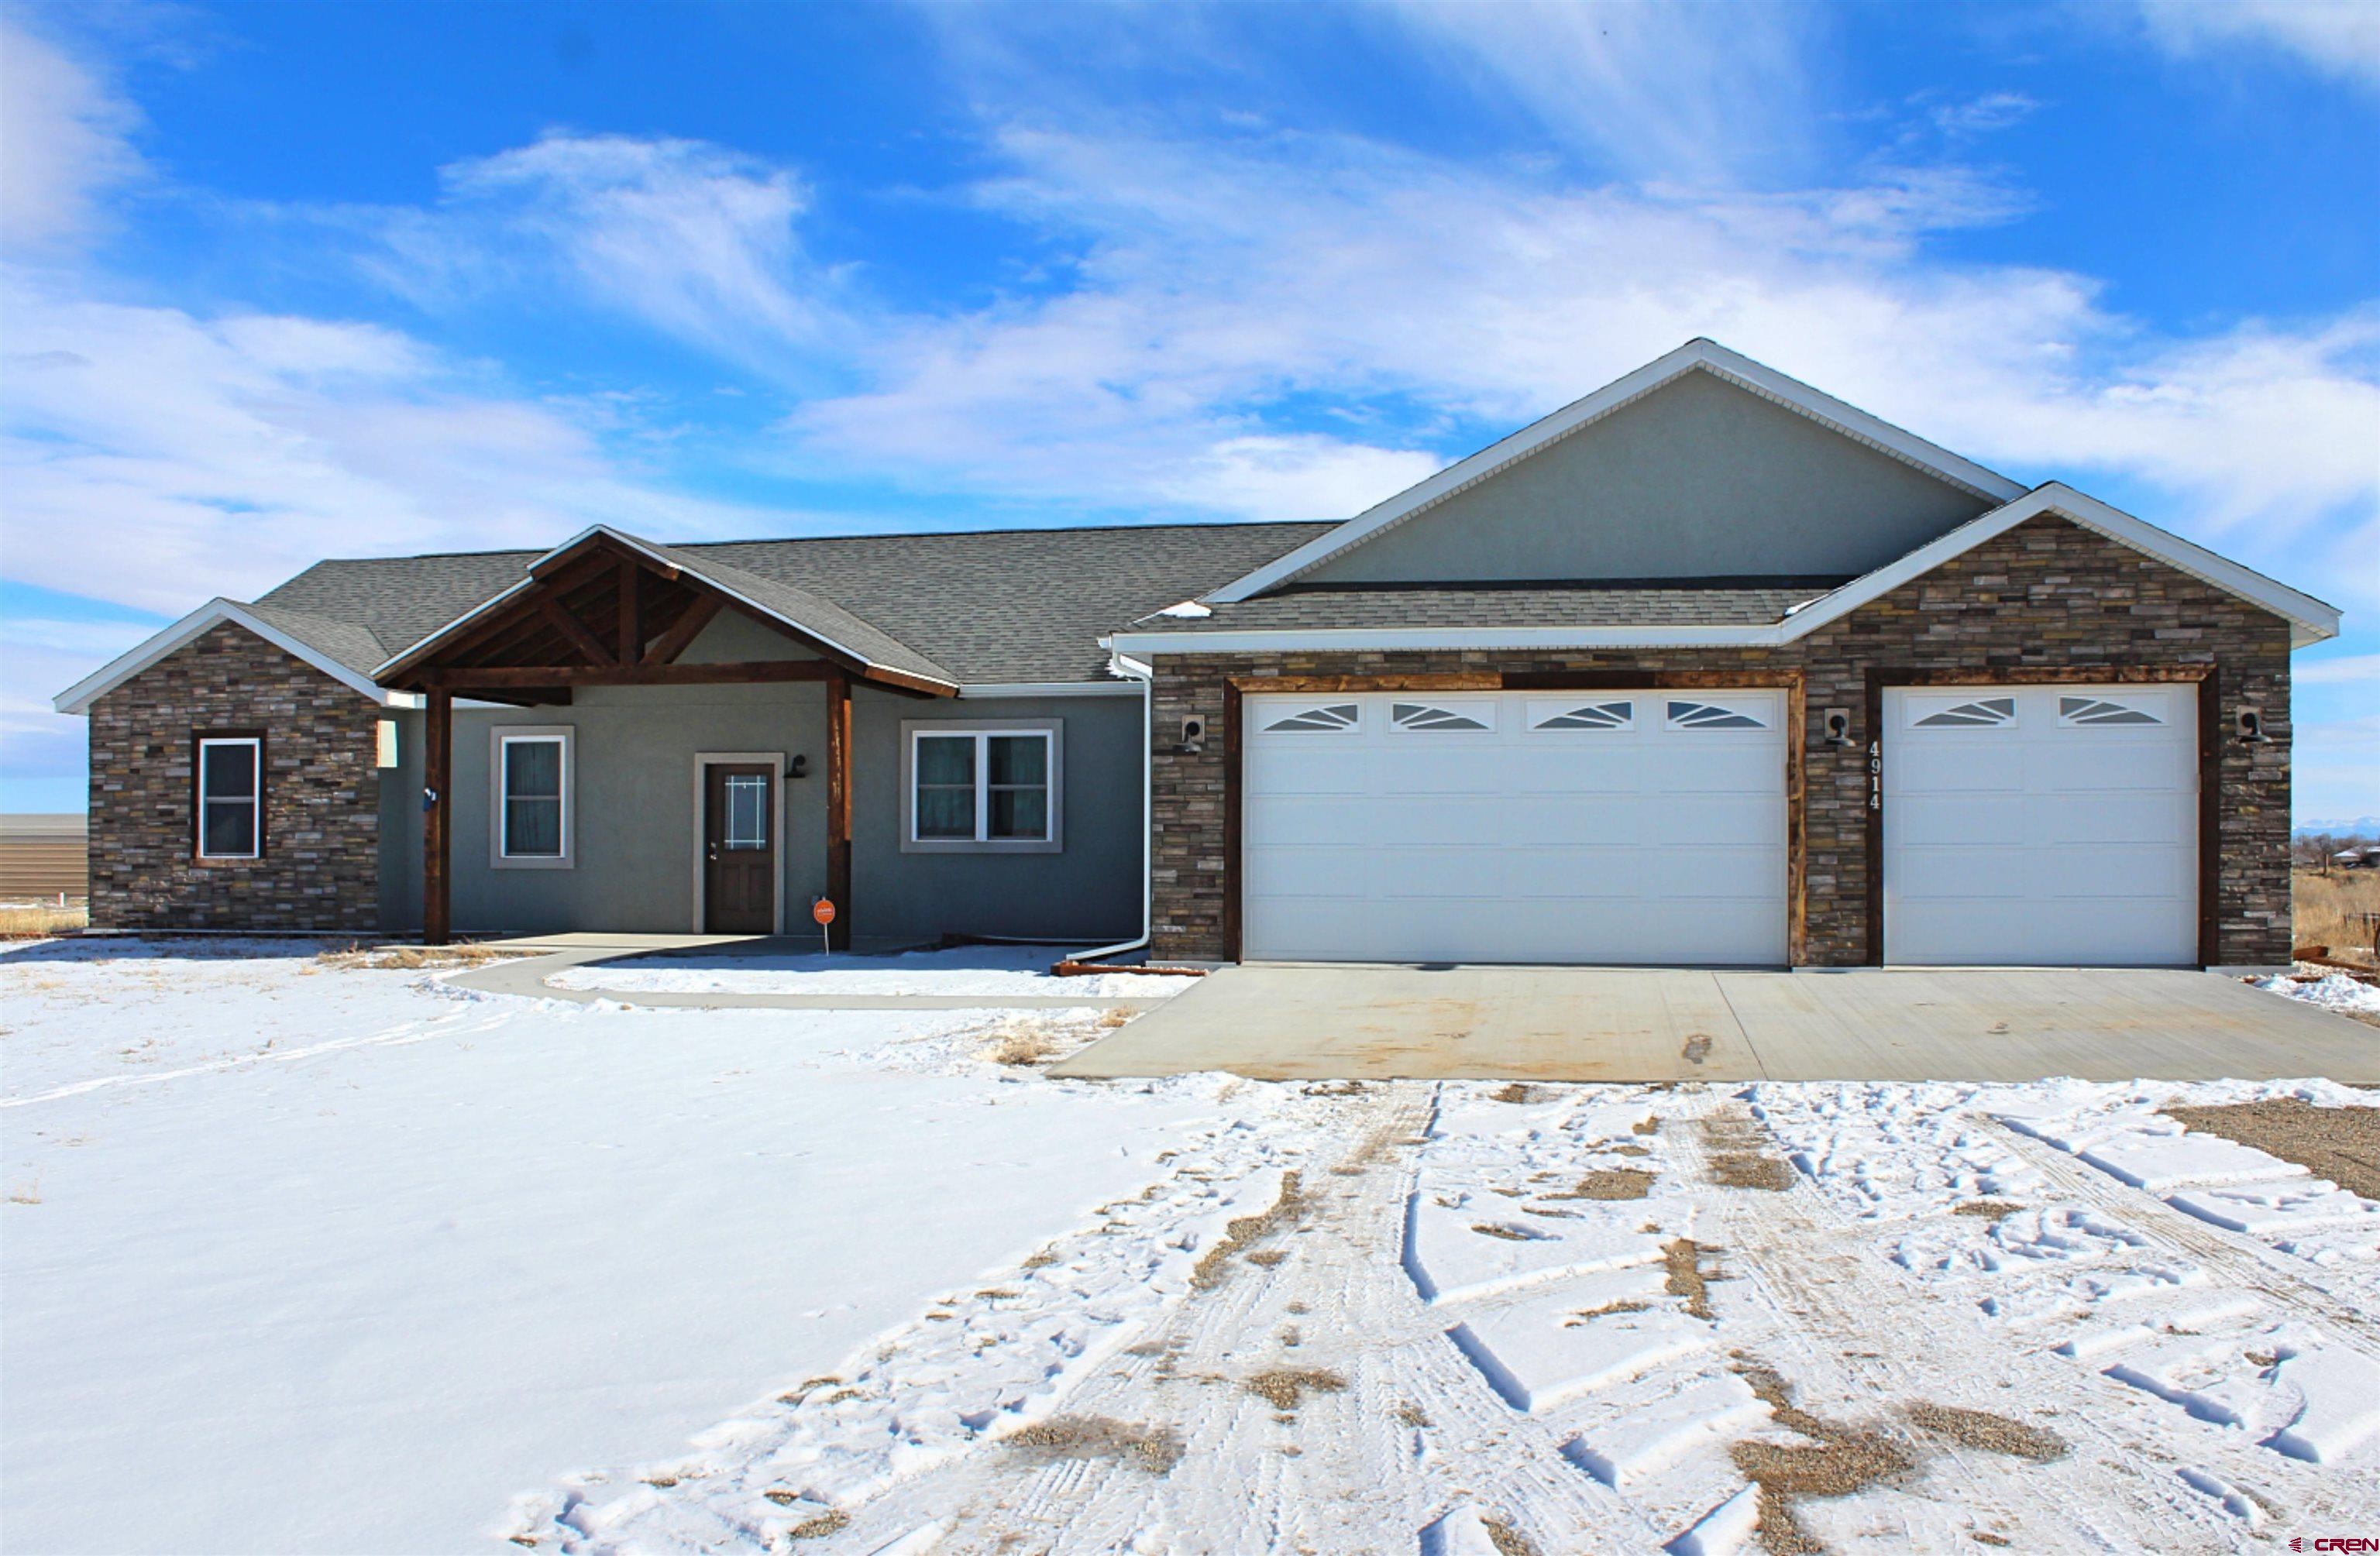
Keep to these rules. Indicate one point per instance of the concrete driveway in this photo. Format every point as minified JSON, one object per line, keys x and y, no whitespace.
{"x":1278,"y":1022}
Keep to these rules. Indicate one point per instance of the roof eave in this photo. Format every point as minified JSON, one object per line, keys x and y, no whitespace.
{"x":78,"y":697}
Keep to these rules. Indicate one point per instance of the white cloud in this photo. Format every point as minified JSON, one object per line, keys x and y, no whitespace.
{"x":62,"y":142}
{"x":688,"y":237}
{"x":2340,"y":37}
{"x":156,"y":458}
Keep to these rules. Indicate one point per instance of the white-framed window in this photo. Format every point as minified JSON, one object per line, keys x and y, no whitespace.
{"x":1591,"y":714}
{"x":1312,"y":719}
{"x":532,"y":774}
{"x":228,"y":782}
{"x":1688,"y":713}
{"x":1453,"y":715}
{"x":1957,"y":713}
{"x":2102,"y":710}
{"x":981,"y":786}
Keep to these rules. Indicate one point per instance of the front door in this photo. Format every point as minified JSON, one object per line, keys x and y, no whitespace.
{"x":739,"y":871}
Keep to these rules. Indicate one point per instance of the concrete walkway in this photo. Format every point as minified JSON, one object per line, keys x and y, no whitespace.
{"x":526,"y":977}
{"x":1271,"y":1022}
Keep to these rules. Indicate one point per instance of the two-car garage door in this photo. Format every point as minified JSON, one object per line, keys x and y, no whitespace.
{"x":1517,"y":827}
{"x":2021,"y":825}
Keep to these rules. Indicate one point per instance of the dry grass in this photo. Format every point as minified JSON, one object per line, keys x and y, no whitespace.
{"x":1610,"y":1183}
{"x":1990,"y":1209}
{"x":1838,"y":1461}
{"x":1514,"y":1091}
{"x":415,"y":959}
{"x":1508,"y":1540}
{"x":1023,"y":1045}
{"x":1509,"y":1234}
{"x":1154,"y":1449}
{"x":2339,"y":1143}
{"x":1682,"y":1262}
{"x":2324,"y":910}
{"x":1284,"y":1387}
{"x":1981,"y":1428}
{"x":1737,"y":1160}
{"x":830,"y":1522}
{"x":39,"y":921}
{"x":1248,"y":1229}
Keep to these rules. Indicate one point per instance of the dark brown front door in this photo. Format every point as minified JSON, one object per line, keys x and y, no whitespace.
{"x":739,"y":871}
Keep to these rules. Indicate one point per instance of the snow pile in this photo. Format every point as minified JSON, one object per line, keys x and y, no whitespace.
{"x":967,"y":970}
{"x":2333,"y":991}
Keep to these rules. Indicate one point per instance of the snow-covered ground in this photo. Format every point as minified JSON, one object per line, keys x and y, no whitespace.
{"x":345,"y":1261}
{"x":296,"y":1259}
{"x":967,"y":970}
{"x":2334,"y":990}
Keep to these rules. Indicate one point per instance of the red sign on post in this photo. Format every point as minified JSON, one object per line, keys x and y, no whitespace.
{"x":822,"y":910}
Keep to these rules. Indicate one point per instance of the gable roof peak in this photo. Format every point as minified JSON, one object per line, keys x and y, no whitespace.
{"x":1700,"y":354}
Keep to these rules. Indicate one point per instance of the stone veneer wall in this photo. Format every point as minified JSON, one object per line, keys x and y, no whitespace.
{"x":320,"y":867}
{"x":2047,"y":594}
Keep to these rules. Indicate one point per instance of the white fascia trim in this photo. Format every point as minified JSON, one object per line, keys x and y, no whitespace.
{"x":1355,"y":639}
{"x":1702,"y":355}
{"x":78,"y":697}
{"x":657,"y":559}
{"x":2311,"y":619}
{"x":1048,"y":689}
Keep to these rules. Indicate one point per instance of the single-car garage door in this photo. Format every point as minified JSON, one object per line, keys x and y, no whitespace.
{"x":2037,"y":825}
{"x":1517,"y":827}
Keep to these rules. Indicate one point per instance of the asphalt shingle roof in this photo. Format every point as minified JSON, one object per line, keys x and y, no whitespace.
{"x":1587,"y":604}
{"x":977,"y":607}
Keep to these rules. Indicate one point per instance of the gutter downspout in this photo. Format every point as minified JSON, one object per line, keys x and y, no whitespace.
{"x":1135,"y":671}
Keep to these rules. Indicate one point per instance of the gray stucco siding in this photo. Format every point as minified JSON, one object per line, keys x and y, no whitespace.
{"x":1699,"y":479}
{"x":1088,"y":893}
{"x":635,"y":822}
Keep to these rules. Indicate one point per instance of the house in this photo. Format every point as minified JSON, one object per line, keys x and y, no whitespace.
{"x":1704,"y":668}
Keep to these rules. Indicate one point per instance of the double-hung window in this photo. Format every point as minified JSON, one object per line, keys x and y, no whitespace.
{"x":229,"y":784}
{"x":530,"y":811}
{"x":980,"y":786}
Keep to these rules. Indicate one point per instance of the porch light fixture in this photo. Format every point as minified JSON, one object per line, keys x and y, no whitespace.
{"x":2251,"y":728}
{"x":798,"y":767}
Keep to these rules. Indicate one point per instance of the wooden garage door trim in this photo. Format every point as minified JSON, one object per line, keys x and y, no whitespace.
{"x":1796,"y":741}
{"x":2210,"y":748}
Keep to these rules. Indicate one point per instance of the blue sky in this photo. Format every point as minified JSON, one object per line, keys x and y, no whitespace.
{"x":283,"y":282}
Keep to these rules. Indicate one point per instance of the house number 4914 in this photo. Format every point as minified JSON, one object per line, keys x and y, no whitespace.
{"x":1876,"y":774}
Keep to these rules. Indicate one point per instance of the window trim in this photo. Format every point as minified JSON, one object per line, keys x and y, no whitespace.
{"x":501,"y":735}
{"x":200,"y":740}
{"x":1052,"y":730}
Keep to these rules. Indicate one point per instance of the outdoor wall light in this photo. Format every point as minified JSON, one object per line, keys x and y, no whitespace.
{"x":2251,"y":728}
{"x":1194,"y":735}
{"x":1838,"y":726}
{"x":798,"y":767}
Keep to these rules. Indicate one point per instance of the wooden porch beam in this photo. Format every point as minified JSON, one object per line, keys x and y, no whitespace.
{"x":476,"y":677}
{"x":683,"y":632}
{"x":570,"y":627}
{"x":838,"y":808}
{"x":437,"y":778}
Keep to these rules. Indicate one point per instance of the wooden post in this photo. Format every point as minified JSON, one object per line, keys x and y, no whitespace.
{"x":838,"y":807}
{"x":437,"y":778}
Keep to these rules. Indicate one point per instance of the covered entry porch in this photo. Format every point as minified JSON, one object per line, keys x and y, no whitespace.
{"x":645,"y":742}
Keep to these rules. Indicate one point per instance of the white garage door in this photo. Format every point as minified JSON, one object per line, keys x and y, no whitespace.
{"x":1624,"y":826}
{"x":2041,"y":824}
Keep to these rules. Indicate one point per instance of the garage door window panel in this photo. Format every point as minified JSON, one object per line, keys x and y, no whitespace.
{"x":1314,"y":718}
{"x":1957,"y":713}
{"x":1689,"y":713}
{"x":1443,"y":719}
{"x":1601,"y":717}
{"x":2099,"y":712}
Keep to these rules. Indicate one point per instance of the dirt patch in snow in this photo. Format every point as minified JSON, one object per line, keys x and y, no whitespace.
{"x":1737,"y":1159}
{"x":1683,"y":1262}
{"x":1238,"y":1235}
{"x":1026,"y":1044}
{"x":1838,"y":1461}
{"x":2339,"y":1143}
{"x":1981,"y":1428}
{"x":1610,"y":1183}
{"x":1284,"y":1387}
{"x":1154,"y":1449}
{"x":1508,"y":1540}
{"x":1990,"y":1209}
{"x":415,"y":959}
